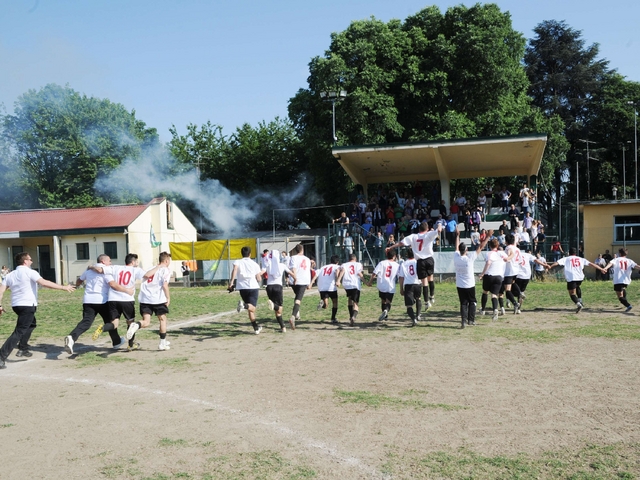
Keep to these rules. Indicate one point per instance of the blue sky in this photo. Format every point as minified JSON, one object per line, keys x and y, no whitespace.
{"x":231,"y":62}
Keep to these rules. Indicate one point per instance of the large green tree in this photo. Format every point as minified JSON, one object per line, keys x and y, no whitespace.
{"x":433,"y":76}
{"x":62,"y":141}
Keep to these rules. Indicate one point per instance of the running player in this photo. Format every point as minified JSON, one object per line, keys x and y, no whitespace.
{"x":327,"y":277}
{"x":410,"y":287}
{"x":622,"y":269}
{"x":94,"y":302}
{"x":511,"y":270}
{"x":154,"y":298}
{"x":574,"y":275}
{"x":351,"y":277}
{"x":121,"y":302}
{"x":524,"y":275}
{"x":422,"y":245}
{"x":463,"y":262}
{"x":386,"y":272}
{"x":300,"y":265}
{"x":249,"y":276}
{"x":275,"y":271}
{"x":492,"y":275}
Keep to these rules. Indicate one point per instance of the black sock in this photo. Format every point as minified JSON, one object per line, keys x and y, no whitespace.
{"x":501,"y":301}
{"x":132,"y":340}
{"x":510,"y":296}
{"x":296,"y":309}
{"x":279,"y":319}
{"x":163,"y":335}
{"x":624,"y":301}
{"x":574,"y":299}
{"x":254,"y":324}
{"x":334,"y":312}
{"x":494,"y":303}
{"x":579,"y":292}
{"x":485,"y":297}
{"x":432,"y":289}
{"x":418,"y":306}
{"x":350,"y":311}
{"x":108,"y":326}
{"x":412,"y":315}
{"x":515,"y":289}
{"x":383,"y":306}
{"x":425,"y":293}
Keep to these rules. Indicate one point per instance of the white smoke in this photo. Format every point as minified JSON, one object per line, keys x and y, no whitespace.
{"x":157,"y":173}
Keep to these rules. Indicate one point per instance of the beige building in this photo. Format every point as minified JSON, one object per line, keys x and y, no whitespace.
{"x":609,"y":225}
{"x":63,"y":242}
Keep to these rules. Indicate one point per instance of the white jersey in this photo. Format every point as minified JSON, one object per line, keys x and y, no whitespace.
{"x":622,"y":269}
{"x":463,"y":264}
{"x":409,"y":272}
{"x":498,"y":264}
{"x":386,"y":272}
{"x":246,"y":274}
{"x":125,"y":276}
{"x":275,"y":277}
{"x":301,"y":265}
{"x":23,"y":283}
{"x":421,"y":243}
{"x":96,"y":288}
{"x":327,"y":278}
{"x":512,"y":267}
{"x":152,"y":291}
{"x":526,"y":259}
{"x":573,"y":266}
{"x":351,"y":277}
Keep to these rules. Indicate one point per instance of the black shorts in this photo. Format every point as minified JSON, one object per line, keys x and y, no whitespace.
{"x":353,"y":294}
{"x":573,"y":285}
{"x":149,"y":309}
{"x":412,"y":293}
{"x":467,"y":295}
{"x":332,"y":295}
{"x":619,"y":287}
{"x":426,"y":267}
{"x":508,"y":280}
{"x":299,"y":291}
{"x":386,"y":296}
{"x":492,"y":284}
{"x":117,"y":309}
{"x":522,"y":283}
{"x":250,"y":296}
{"x":274,"y":293}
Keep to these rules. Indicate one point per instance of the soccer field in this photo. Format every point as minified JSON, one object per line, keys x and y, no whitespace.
{"x":545,"y":394}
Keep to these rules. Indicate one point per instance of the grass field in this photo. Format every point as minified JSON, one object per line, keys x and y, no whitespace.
{"x":390,"y":394}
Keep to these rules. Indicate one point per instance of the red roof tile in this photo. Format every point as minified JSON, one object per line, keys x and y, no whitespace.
{"x":69,"y":219}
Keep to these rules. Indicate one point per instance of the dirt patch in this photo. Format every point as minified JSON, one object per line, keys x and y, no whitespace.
{"x":317,"y":402}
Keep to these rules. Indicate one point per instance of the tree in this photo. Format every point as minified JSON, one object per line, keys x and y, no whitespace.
{"x":63,"y":141}
{"x":430,"y":77}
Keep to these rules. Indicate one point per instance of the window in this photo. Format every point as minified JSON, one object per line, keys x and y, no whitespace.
{"x":626,"y":229}
{"x":82,"y":251}
{"x":111,"y":249}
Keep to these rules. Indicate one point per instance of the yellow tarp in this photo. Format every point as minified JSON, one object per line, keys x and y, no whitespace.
{"x":212,"y":249}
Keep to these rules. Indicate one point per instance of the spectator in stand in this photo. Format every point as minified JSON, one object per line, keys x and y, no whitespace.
{"x":377,"y":217}
{"x":505,"y":195}
{"x":525,"y":240}
{"x":482,"y":202}
{"x":403,"y":226}
{"x":451,"y":231}
{"x":443,"y":208}
{"x":475,"y":218}
{"x":414,"y":223}
{"x":557,"y":252}
{"x":539,"y":241}
{"x":348,"y":245}
{"x":525,"y":197}
{"x":378,"y":246}
{"x":390,"y":228}
{"x":362,"y":208}
{"x":454,"y":210}
{"x":460,"y":201}
{"x":527,"y":221}
{"x":540,"y":267}
{"x":366,"y":227}
{"x":343,"y":220}
{"x":475,"y":237}
{"x":513,"y":217}
{"x":391,"y":241}
{"x":503,"y":228}
{"x":440,"y":222}
{"x":488,"y":192}
{"x":389,"y":213}
{"x":483,"y":235}
{"x":607,"y":258}
{"x":599,"y":262}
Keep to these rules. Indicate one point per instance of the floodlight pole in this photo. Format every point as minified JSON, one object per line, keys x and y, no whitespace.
{"x":635,"y":130}
{"x":333,"y":97}
{"x":588,"y":169}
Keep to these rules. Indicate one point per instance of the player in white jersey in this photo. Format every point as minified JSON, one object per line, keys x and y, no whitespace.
{"x":327,"y":278}
{"x":422,"y":245}
{"x":386,"y":272}
{"x":465,"y":279}
{"x":95,"y":302}
{"x":511,"y":270}
{"x":275,"y":270}
{"x":300,"y":265}
{"x":622,"y":269}
{"x":351,"y":278}
{"x":524,"y":275}
{"x":23,"y":283}
{"x":574,"y":275}
{"x":410,"y":287}
{"x":154,"y":298}
{"x":248,"y":275}
{"x":492,"y":275}
{"x":122,"y":280}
